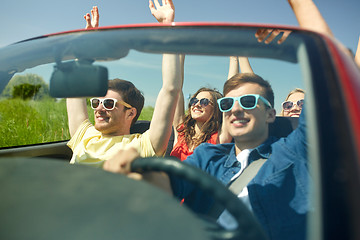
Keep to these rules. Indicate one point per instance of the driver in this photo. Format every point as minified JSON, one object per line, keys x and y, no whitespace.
{"x":278,"y":194}
{"x":117,"y":111}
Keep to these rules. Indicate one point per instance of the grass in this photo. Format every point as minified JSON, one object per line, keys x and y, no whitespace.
{"x":146,"y":113}
{"x":31,"y":122}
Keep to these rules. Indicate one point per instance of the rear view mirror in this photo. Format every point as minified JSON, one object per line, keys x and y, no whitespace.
{"x":69,"y":78}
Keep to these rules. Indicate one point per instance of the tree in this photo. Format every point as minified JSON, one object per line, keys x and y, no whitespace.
{"x":25,"y":91}
{"x":31,"y":79}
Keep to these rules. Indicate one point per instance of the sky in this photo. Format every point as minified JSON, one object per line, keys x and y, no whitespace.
{"x":23,"y":19}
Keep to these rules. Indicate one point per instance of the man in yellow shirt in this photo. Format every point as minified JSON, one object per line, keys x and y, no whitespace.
{"x":117,"y":111}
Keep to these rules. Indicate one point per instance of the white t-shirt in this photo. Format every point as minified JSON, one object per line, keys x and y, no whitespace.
{"x":226,"y":219}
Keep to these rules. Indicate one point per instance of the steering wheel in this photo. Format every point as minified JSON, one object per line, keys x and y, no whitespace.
{"x":248,"y":227}
{"x":44,"y":198}
{"x":50,"y":199}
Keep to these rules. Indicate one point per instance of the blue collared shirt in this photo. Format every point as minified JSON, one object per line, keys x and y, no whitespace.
{"x":279,"y":193}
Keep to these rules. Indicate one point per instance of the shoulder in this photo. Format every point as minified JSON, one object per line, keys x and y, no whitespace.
{"x":225,"y":147}
{"x":137,"y":137}
{"x":208,"y":151}
{"x":84,"y":126}
{"x":211,"y":158}
{"x":85,"y":130}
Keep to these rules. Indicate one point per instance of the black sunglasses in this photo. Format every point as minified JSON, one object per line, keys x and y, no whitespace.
{"x":203,"y":102}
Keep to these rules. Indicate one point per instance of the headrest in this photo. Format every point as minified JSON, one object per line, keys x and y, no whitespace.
{"x":283,"y":126}
{"x":140,"y":126}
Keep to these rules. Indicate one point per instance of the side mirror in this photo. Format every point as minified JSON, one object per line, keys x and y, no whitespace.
{"x":78,"y":79}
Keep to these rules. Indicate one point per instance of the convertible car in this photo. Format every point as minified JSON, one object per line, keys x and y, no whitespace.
{"x":44,"y":197}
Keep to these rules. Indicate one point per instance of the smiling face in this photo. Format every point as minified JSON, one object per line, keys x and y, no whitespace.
{"x":200,"y":113}
{"x":112,"y":122}
{"x":249,"y":128}
{"x":295,"y":110}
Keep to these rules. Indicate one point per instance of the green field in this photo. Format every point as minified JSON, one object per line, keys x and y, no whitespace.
{"x":30,"y":122}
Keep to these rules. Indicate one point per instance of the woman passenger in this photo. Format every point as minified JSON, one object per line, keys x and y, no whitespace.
{"x":293,"y":103}
{"x":201,"y":123}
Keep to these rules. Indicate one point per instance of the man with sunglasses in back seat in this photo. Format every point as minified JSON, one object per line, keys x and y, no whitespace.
{"x":114,"y":115}
{"x":277,"y":193}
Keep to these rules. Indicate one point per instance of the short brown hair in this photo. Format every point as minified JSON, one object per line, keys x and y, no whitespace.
{"x":240,"y":78}
{"x":129,"y":93}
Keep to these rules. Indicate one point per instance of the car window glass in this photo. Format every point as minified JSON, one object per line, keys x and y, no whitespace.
{"x":28,"y":110}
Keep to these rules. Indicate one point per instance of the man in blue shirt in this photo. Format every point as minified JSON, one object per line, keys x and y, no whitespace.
{"x":279,"y":193}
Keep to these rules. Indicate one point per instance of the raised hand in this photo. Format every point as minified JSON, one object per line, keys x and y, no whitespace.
{"x":267,"y":35}
{"x":164,"y":13}
{"x":93,"y":20}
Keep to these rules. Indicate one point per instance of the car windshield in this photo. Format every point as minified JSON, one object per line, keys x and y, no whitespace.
{"x":35,"y":116}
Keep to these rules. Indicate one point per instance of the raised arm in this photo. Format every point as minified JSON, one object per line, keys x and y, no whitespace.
{"x":245,"y":66}
{"x":180,"y":106}
{"x":357,"y":54}
{"x":309,"y":17}
{"x":233,"y":66}
{"x":76,"y":107}
{"x":237,"y":64}
{"x":166,"y":102}
{"x":166,"y":14}
{"x":77,"y":113}
{"x":163,"y":116}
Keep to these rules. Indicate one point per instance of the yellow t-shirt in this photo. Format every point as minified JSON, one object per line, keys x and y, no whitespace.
{"x":90,"y":147}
